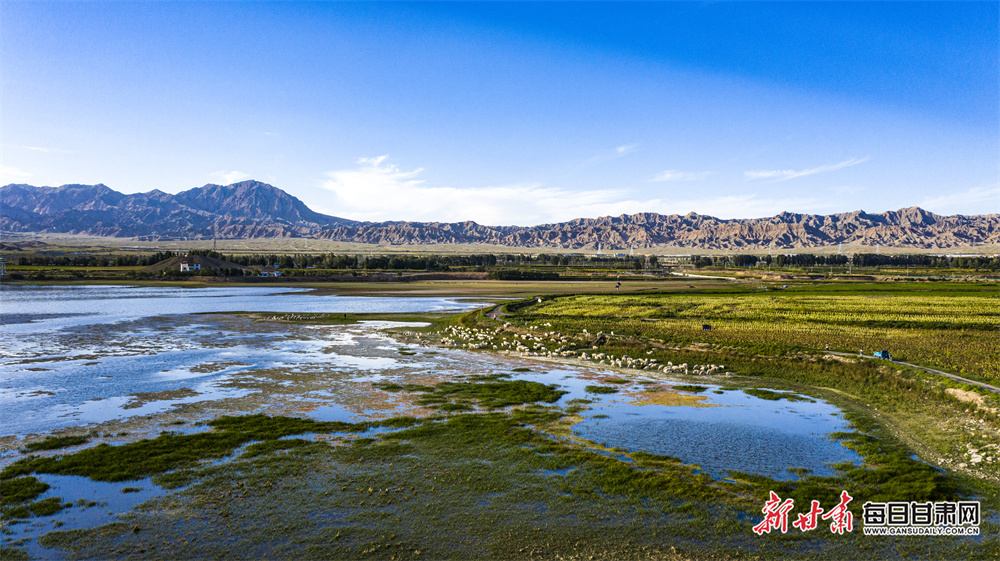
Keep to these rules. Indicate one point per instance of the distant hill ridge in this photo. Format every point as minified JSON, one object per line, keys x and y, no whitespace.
{"x":251,"y":209}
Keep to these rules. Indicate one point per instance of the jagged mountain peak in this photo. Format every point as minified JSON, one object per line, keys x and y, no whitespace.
{"x":245,"y":209}
{"x":253,"y":209}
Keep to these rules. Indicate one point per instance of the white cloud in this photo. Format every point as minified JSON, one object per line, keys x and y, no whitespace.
{"x":625,"y":149}
{"x":8,"y":174}
{"x":377,"y":190}
{"x":230,"y":177}
{"x":45,"y":150}
{"x":786,"y":174}
{"x":617,"y":152}
{"x":674,"y":175}
{"x":978,"y":200}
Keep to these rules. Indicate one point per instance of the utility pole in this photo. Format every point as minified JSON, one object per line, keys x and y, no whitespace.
{"x":3,"y":267}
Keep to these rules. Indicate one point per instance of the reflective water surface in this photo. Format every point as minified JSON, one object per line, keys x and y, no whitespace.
{"x":141,"y":360}
{"x":77,"y":355}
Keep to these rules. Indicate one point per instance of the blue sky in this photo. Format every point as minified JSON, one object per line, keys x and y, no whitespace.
{"x":513,"y":113}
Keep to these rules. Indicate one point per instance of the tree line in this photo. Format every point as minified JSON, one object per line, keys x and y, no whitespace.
{"x":492,"y":261}
{"x":857,"y":260}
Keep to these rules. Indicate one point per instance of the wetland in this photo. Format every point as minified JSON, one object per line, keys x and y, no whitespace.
{"x":274,"y":422}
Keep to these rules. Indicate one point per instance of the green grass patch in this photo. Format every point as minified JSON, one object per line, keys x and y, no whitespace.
{"x":600,"y":389}
{"x":44,"y":507}
{"x":690,"y":388}
{"x":460,"y":485}
{"x":171,"y":451}
{"x":13,"y":554}
{"x":491,"y":394}
{"x":55,"y":442}
{"x":20,"y":490}
{"x":770,"y":395}
{"x":487,"y":377}
{"x":392,"y":387}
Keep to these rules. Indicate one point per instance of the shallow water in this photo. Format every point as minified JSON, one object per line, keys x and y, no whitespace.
{"x":77,"y":355}
{"x":34,"y":309}
{"x":104,"y":358}
{"x":745,"y":433}
{"x":81,"y":356}
{"x":93,"y":503}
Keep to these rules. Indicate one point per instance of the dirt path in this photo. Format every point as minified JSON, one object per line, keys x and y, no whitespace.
{"x":496,"y":313}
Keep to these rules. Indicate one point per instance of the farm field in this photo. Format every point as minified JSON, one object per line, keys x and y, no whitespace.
{"x":953,"y":327}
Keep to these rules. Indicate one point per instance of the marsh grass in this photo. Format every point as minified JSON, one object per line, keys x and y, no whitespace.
{"x":600,"y":389}
{"x":493,"y":484}
{"x":44,"y":507}
{"x":55,"y":442}
{"x":461,"y":486}
{"x":473,"y":485}
{"x":690,"y":388}
{"x":171,"y":451}
{"x":494,"y":394}
{"x":466,"y":485}
{"x":20,"y":490}
{"x":770,"y":395}
{"x":493,"y":391}
{"x":393,"y":387}
{"x":13,"y":554}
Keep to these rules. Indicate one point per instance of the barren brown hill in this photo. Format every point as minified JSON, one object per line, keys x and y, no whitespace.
{"x":907,"y":228}
{"x":251,"y":209}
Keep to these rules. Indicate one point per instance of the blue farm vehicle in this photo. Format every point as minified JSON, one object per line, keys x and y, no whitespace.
{"x":883,"y":355}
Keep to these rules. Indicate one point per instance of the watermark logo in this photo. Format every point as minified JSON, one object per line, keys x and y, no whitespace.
{"x":913,"y":518}
{"x":776,"y":516}
{"x":897,"y":518}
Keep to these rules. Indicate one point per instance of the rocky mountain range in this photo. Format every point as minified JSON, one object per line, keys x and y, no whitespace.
{"x":251,"y":209}
{"x":242,"y":210}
